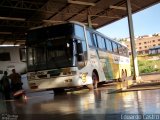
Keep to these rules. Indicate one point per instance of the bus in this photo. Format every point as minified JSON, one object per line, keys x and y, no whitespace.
{"x":70,"y":55}
{"x":12,"y":57}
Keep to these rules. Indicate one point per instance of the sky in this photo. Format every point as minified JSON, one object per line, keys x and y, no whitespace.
{"x":145,"y":22}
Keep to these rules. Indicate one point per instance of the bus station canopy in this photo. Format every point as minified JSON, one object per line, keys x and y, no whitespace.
{"x":18,"y":16}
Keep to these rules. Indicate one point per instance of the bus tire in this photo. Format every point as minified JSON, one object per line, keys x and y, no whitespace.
{"x":95,"y":79}
{"x":126,"y":73}
{"x":58,"y":91}
{"x":90,"y":86}
{"x":123,"y":76}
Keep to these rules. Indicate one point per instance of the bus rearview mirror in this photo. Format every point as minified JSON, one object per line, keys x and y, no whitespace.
{"x":1,"y":71}
{"x":79,"y":48}
{"x":80,"y":57}
{"x":23,"y":54}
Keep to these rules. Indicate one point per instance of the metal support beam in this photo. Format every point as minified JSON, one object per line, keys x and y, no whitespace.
{"x":81,"y":3}
{"x":12,"y":18}
{"x":53,"y":21}
{"x":82,"y":11}
{"x":132,"y":41}
{"x":89,"y":21}
{"x":107,"y":9}
{"x":117,"y":7}
{"x":105,"y":16}
{"x":56,"y":22}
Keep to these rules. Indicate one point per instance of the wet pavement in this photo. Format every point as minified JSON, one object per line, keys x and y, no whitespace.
{"x":83,"y":105}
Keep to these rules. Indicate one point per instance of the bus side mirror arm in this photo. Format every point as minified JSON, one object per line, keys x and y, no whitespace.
{"x":80,"y":57}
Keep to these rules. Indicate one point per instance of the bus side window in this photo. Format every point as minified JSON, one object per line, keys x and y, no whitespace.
{"x":5,"y":56}
{"x":109,"y":45}
{"x":120,"y":49}
{"x":103,"y":42}
{"x":79,"y":32}
{"x":115,"y":47}
{"x":90,"y":42}
{"x":100,"y":41}
{"x":125,"y":51}
{"x":95,"y":40}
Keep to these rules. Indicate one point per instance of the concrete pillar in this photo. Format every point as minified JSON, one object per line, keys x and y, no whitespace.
{"x":132,"y":41}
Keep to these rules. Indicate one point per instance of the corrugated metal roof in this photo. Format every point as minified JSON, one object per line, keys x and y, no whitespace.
{"x":17,"y":16}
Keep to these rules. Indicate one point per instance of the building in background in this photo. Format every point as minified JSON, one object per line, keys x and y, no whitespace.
{"x":144,"y":43}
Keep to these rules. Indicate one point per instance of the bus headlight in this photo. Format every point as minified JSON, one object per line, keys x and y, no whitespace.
{"x":68,"y":80}
{"x":33,"y":86}
{"x":70,"y":73}
{"x":73,"y":72}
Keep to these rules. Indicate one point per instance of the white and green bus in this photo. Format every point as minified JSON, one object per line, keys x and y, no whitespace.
{"x":70,"y":55}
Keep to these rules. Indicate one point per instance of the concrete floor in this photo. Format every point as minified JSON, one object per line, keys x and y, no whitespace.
{"x":83,"y":105}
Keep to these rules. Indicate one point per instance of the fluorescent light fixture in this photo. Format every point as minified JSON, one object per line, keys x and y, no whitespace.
{"x":81,"y":3}
{"x":20,"y":40}
{"x":12,"y":18}
{"x":52,"y":21}
{"x":9,"y":45}
{"x":6,"y":33}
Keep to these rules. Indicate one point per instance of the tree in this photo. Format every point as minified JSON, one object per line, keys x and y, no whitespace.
{"x":122,"y":40}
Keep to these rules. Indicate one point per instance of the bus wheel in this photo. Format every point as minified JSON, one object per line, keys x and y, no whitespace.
{"x":95,"y":80}
{"x":90,"y":86}
{"x":126,"y":72}
{"x":123,"y":76}
{"x":58,"y":91}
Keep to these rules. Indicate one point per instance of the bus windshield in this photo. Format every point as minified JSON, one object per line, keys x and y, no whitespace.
{"x":55,"y":47}
{"x":53,"y":53}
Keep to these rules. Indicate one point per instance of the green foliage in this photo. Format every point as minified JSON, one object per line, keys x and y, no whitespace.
{"x":147,"y":66}
{"x":155,"y":34}
{"x":147,"y":69}
{"x":140,"y":63}
{"x":122,"y":40}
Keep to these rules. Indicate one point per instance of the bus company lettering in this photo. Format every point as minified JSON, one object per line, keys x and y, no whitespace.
{"x":83,"y":77}
{"x":116,"y":59}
